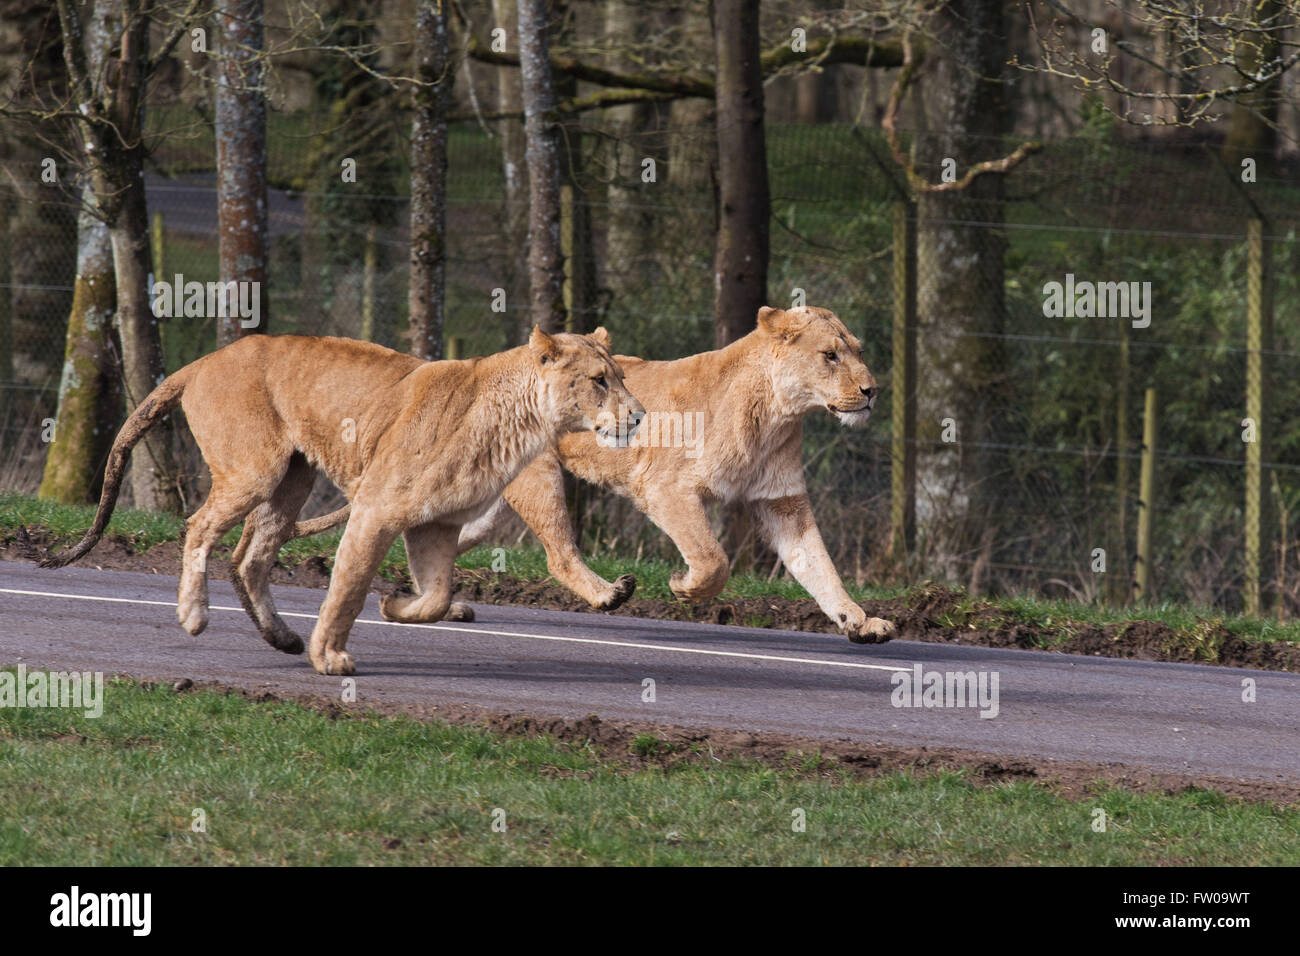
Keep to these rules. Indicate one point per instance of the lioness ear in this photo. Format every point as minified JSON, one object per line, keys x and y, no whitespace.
{"x":770,"y":320}
{"x":544,"y":346}
{"x":601,"y":337}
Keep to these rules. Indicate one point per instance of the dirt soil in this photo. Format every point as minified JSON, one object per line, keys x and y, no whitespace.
{"x":934,"y":614}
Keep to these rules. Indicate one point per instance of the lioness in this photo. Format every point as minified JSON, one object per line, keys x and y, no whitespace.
{"x":418,"y":447}
{"x":753,"y":396}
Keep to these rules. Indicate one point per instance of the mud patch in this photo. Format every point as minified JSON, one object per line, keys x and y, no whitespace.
{"x":933,"y":614}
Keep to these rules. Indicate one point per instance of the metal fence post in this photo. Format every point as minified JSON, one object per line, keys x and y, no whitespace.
{"x":902,"y":513}
{"x":6,"y":301}
{"x":1259,"y":339}
{"x":158,"y":250}
{"x":1146,"y":499}
{"x":1121,"y":582}
{"x":567,"y":231}
{"x":369,"y":268}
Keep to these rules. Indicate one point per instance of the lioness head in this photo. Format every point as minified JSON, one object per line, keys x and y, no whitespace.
{"x":817,"y":363}
{"x":583,"y":385}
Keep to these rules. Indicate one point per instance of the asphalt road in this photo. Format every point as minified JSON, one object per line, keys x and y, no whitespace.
{"x":1177,"y":718}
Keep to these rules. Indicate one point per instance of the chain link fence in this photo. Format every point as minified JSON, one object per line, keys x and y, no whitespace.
{"x":1029,"y":412}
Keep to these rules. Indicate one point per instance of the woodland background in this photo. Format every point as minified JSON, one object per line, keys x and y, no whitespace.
{"x":780,"y":169}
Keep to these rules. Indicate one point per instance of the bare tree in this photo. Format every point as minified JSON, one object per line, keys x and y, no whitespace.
{"x":429,"y":180}
{"x":681,"y":78}
{"x":1233,"y":54}
{"x":960,"y":263}
{"x":743,"y":203}
{"x":108,"y":110}
{"x":631,"y":128}
{"x":515,"y":170}
{"x":545,"y":258}
{"x":241,"y":161}
{"x":90,"y":398}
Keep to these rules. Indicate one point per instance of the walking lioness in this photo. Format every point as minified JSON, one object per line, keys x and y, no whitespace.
{"x":419,"y":448}
{"x":723,"y":426}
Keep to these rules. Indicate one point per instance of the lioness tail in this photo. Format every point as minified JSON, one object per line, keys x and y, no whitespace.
{"x":302,"y":529}
{"x":157,"y":404}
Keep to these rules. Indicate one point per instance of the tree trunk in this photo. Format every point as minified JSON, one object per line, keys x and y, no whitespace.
{"x":575,"y":206}
{"x":43,"y":243}
{"x":743,"y":205}
{"x":545,"y":259}
{"x":116,"y":160}
{"x":629,"y":262}
{"x":693,"y":147}
{"x":514,"y":225}
{"x":960,"y":282}
{"x":241,"y":163}
{"x":815,"y":97}
{"x":741,"y":243}
{"x":90,"y":399}
{"x":6,"y":302}
{"x":38,"y":233}
{"x":429,"y":181}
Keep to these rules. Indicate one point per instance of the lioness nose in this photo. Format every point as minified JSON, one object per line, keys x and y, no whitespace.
{"x":871,"y":392}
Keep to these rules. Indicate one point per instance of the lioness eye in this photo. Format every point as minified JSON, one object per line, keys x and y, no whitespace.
{"x":831,"y":356}
{"x":601,"y":382}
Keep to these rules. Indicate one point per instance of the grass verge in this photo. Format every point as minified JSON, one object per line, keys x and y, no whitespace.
{"x":280,"y":783}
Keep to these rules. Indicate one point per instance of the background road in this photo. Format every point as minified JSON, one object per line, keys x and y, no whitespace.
{"x":1179,"y":718}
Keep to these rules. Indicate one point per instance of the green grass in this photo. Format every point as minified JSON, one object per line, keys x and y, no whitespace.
{"x":1055,"y":619}
{"x":281,"y":784}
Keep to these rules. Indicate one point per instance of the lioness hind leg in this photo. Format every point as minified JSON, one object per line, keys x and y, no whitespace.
{"x":537,"y":495}
{"x":266,"y":529}
{"x":221,"y":512}
{"x":431,"y":551}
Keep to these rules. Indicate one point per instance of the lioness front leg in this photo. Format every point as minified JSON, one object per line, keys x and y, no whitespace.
{"x":684,"y":520}
{"x":788,"y":526}
{"x":431,"y":553}
{"x":537,"y":495}
{"x":364,"y":544}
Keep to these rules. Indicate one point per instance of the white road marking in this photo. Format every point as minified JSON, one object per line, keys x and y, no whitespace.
{"x":477,"y":630}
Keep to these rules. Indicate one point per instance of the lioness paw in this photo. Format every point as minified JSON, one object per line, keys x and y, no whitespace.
{"x":195,"y":620}
{"x":390,"y":606}
{"x":875,"y":630}
{"x":621,"y":591}
{"x":283,"y":639}
{"x":339,"y":662}
{"x":860,"y":629}
{"x":459,"y":612}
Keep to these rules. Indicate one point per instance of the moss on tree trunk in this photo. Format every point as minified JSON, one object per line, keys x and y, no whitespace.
{"x":89,"y":399}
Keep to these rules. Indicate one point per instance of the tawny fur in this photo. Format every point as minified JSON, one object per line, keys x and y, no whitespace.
{"x":418,"y":447}
{"x":754,"y":395}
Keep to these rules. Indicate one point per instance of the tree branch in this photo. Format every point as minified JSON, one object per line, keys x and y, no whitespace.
{"x":824,"y":51}
{"x":173,"y":38}
{"x":917,"y":182}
